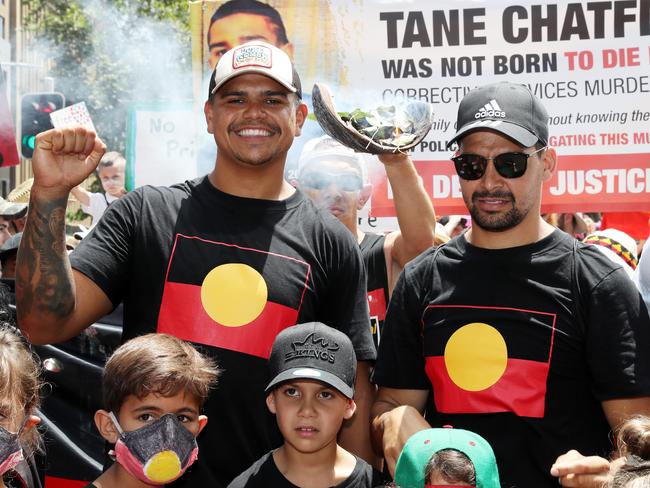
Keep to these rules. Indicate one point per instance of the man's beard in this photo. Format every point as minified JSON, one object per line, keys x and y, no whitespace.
{"x":496,"y":222}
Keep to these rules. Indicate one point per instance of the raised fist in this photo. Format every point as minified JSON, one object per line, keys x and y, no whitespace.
{"x":63,"y":158}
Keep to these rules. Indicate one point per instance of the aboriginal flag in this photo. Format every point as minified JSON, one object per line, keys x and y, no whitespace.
{"x":377,"y":306}
{"x":488,"y":359}
{"x":231,"y":297}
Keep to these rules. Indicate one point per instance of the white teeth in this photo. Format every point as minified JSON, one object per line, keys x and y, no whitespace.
{"x":253,"y":132}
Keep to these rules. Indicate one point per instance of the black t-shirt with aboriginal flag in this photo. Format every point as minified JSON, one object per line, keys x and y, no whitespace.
{"x":227,"y":273}
{"x":520,"y":345}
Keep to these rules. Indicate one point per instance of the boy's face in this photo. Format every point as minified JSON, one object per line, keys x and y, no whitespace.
{"x":138,"y":412}
{"x":112,"y":179}
{"x":309,"y":413}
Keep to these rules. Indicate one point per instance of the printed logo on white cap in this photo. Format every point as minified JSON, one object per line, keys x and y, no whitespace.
{"x":252,"y":56}
{"x":490,"y":109}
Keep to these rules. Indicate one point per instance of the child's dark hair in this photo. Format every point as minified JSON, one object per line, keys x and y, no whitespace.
{"x":452,"y":465}
{"x":157,"y":363}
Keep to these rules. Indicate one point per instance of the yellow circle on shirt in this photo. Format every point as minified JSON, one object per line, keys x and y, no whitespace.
{"x":476,"y":356}
{"x":234,"y":294}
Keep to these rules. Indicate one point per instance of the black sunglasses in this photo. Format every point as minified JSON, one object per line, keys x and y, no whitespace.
{"x":321,"y":180}
{"x":508,"y":165}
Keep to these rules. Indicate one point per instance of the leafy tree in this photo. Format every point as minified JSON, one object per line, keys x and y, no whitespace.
{"x":112,"y":52}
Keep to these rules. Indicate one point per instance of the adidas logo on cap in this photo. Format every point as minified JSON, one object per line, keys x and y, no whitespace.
{"x":490,"y":109}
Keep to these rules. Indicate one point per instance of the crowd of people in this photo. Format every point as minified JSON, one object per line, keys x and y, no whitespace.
{"x":269,"y":341}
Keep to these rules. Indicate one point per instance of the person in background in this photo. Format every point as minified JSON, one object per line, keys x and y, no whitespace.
{"x":617,"y":246}
{"x":562,"y":330}
{"x":456,"y":224}
{"x":574,"y":224}
{"x":4,"y":230}
{"x":19,"y":400}
{"x":111,"y":174}
{"x":8,"y":253}
{"x":641,"y":275}
{"x":12,"y":218}
{"x":336,"y":179}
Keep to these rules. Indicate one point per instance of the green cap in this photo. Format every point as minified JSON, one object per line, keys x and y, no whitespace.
{"x":418,"y":450}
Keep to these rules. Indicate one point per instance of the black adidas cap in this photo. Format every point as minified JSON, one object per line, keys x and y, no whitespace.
{"x":313,"y":351}
{"x":505,"y":107}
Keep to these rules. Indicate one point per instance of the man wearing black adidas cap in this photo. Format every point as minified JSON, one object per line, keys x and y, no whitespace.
{"x":226,"y":261}
{"x":512,"y":330}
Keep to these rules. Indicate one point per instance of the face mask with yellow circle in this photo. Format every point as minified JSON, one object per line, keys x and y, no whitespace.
{"x":157,"y":453}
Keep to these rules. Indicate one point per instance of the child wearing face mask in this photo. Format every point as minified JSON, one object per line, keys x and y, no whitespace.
{"x":154,"y":387}
{"x":19,"y":398}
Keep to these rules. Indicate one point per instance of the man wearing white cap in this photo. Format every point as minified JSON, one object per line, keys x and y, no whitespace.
{"x":513,"y":330}
{"x":336,"y":179}
{"x":226,"y":261}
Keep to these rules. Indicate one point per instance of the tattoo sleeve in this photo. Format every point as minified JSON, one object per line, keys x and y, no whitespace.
{"x":44,"y":283}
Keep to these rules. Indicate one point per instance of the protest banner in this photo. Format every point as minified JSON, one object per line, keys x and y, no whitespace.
{"x":588,"y":62}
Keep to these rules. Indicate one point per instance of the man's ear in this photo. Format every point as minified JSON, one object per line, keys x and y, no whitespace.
{"x":207,"y":110}
{"x":301,"y":116}
{"x":270,"y":402}
{"x":364,"y":195}
{"x":106,"y":427}
{"x":350,"y":408}
{"x":550,"y":163}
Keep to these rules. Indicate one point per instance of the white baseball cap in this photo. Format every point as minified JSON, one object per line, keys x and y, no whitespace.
{"x":256,"y":57}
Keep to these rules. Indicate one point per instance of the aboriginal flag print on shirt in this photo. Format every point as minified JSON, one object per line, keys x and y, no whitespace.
{"x":488,"y":359}
{"x":220,"y":295}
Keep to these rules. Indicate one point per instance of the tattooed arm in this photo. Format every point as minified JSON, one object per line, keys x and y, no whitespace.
{"x":53,"y":302}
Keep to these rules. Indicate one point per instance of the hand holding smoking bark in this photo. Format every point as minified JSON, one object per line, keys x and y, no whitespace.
{"x":63,"y":158}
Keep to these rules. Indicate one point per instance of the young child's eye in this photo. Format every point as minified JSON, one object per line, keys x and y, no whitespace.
{"x":146,"y":417}
{"x":183,"y":419}
{"x":291,"y":392}
{"x":326,"y":395}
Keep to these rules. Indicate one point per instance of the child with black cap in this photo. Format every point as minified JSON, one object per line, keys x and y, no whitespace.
{"x":313,"y":368}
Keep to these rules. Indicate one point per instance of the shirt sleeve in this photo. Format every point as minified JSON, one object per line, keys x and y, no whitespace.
{"x":400,"y":360}
{"x":104,"y":254}
{"x":618,"y":338}
{"x":96,"y":207}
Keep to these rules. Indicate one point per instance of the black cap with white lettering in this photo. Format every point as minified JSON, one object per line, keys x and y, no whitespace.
{"x":505,"y":107}
{"x":313,"y":351}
